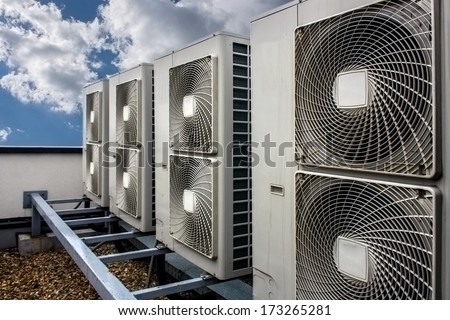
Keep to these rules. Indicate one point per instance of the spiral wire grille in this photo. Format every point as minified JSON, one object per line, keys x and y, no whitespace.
{"x":392,"y":40}
{"x":128,"y":131}
{"x":195,"y":230}
{"x":127,"y":198}
{"x":192,"y":79}
{"x":93,"y":180}
{"x":93,"y":104}
{"x":395,"y":223}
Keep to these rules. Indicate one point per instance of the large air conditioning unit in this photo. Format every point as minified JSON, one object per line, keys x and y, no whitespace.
{"x":132,"y":173}
{"x":203,"y":199}
{"x":349,"y":124}
{"x":95,"y":135}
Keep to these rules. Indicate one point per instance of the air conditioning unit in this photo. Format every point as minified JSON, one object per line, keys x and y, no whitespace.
{"x":132,"y":174}
{"x":203,"y":199}
{"x":95,"y":134}
{"x":350,"y":135}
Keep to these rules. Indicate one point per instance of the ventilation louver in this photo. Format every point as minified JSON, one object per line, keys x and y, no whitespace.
{"x":191,"y":106}
{"x":92,"y":170}
{"x":127,"y":181}
{"x":191,"y":203}
{"x":358,"y":239}
{"x":93,"y":117}
{"x":364,"y":89}
{"x":127,"y":114}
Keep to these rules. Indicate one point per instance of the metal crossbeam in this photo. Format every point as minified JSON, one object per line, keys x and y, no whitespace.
{"x":133,"y":255}
{"x":112,"y":237}
{"x":79,"y":222}
{"x":176,"y":287}
{"x":106,"y":285}
{"x":60,"y":201}
{"x":68,"y":212}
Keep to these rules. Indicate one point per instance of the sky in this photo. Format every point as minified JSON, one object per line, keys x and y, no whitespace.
{"x":49,"y":50}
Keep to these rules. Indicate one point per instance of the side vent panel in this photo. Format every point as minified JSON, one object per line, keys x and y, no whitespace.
{"x":153,"y":153}
{"x":242,"y":174}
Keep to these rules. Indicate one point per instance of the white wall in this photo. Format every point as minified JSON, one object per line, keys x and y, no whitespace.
{"x":59,"y":173}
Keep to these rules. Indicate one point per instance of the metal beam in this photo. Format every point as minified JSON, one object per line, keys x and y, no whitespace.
{"x":107,"y":285}
{"x":67,"y":212}
{"x":36,"y":228}
{"x":59,"y":201}
{"x":79,"y":222}
{"x":112,"y":237}
{"x":133,"y":255}
{"x":176,"y":287}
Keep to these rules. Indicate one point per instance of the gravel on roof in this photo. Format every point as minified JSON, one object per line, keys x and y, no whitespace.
{"x":53,"y":275}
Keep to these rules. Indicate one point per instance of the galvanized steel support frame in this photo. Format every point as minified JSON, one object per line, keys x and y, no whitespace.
{"x":106,"y":285}
{"x":94,"y":267}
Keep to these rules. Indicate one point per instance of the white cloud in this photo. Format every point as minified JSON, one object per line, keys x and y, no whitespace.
{"x":47,"y":56}
{"x":50,"y":59}
{"x":144,"y":29}
{"x":72,"y":126}
{"x":4,"y":133}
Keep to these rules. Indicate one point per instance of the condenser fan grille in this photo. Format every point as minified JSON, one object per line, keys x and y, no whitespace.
{"x":93,"y":117}
{"x":363,"y":240}
{"x":364,"y":92}
{"x":93,"y":173}
{"x":127,"y":113}
{"x":127,"y":181}
{"x":191,"y":203}
{"x":191,"y":106}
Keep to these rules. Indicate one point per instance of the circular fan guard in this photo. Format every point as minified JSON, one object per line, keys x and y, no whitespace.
{"x":193,"y":229}
{"x":127,"y":131}
{"x":395,"y":223}
{"x":93,"y":180}
{"x":192,"y":133}
{"x":93,"y":128}
{"x":127,"y":198}
{"x":392,"y":40}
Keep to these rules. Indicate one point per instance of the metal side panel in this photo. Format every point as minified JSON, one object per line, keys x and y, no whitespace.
{"x":272,"y":40}
{"x":444,"y":182}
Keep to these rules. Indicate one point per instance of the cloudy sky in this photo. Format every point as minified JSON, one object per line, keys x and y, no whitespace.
{"x":50,"y":49}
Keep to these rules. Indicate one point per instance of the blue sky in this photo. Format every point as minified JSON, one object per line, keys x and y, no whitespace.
{"x":50,"y":49}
